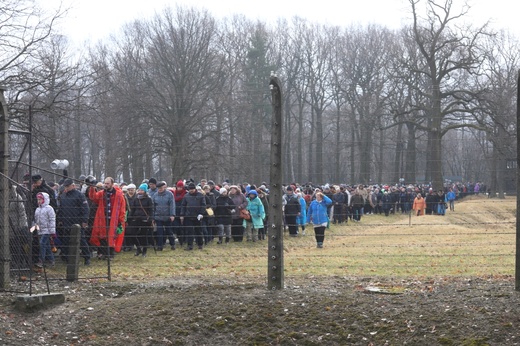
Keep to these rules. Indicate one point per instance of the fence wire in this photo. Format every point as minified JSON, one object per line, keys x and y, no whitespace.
{"x":398,"y":244}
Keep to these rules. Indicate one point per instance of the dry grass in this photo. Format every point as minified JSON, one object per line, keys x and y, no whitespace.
{"x":478,"y":239}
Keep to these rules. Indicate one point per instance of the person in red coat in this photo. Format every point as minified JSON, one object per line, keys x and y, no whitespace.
{"x":108,"y":227}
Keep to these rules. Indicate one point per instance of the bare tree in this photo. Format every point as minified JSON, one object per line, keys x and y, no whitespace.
{"x":364,"y":63}
{"x":498,"y":112}
{"x":449,"y":53}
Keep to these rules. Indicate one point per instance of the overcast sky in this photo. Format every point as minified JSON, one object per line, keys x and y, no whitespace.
{"x":91,"y":20}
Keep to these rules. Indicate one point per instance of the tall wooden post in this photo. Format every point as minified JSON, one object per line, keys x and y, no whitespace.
{"x":275,"y":225}
{"x":517,"y":258}
{"x":5,"y":256}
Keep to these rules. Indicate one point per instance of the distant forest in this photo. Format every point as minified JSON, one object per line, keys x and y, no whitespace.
{"x":184,"y":95}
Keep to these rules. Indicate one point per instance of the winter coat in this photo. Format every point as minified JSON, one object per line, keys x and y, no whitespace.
{"x":431,"y":201}
{"x":223,"y":208}
{"x":292,"y":207}
{"x":363,"y":193}
{"x":372,"y":198}
{"x":49,"y":191}
{"x":118,"y":212}
{"x":178,"y":193}
{"x":45,"y":217}
{"x":357,"y":200}
{"x":338,"y":198}
{"x":141,"y":209}
{"x":317,"y":212}
{"x":240,"y":201}
{"x":164,"y":205}
{"x":387,"y":201}
{"x":265,"y":201}
{"x":450,"y":196}
{"x":210,"y":200}
{"x":256,"y":209}
{"x":419,"y":204}
{"x":73,"y":209}
{"x":193,"y":205}
{"x":302,"y":218}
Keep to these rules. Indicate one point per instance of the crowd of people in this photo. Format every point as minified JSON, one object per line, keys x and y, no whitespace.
{"x":125,"y":217}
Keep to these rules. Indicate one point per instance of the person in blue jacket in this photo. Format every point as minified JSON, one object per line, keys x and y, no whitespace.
{"x":257,"y":211}
{"x":450,"y":199}
{"x":301,"y":219}
{"x":317,"y":215}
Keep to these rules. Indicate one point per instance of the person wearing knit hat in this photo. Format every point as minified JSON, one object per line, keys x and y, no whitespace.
{"x":193,"y":210}
{"x":130,"y":192}
{"x":191,"y":186}
{"x":152,"y":187}
{"x":140,"y":228}
{"x":213,"y":188}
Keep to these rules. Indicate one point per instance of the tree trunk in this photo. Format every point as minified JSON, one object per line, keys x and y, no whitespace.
{"x":398,"y":154}
{"x":411,"y":154}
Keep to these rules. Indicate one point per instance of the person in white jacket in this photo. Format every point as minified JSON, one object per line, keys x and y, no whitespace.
{"x":45,"y":223}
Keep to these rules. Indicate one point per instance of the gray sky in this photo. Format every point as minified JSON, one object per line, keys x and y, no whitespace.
{"x":91,"y":20}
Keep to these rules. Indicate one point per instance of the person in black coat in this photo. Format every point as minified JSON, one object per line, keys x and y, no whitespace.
{"x":432,"y":200}
{"x":73,"y":210}
{"x":224,"y":210}
{"x":193,"y":210}
{"x":291,"y":211}
{"x":140,"y":229}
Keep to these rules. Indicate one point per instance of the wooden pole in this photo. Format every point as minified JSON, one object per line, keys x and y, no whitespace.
{"x":275,"y":223}
{"x":5,"y":256}
{"x":517,"y":258}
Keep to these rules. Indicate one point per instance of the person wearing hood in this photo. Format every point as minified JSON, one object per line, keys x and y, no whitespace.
{"x":263,"y":196}
{"x":39,"y":185}
{"x":419,"y":204}
{"x":107,"y":230}
{"x":178,"y":229}
{"x":301,"y":219}
{"x":257,"y":212}
{"x":45,"y":224}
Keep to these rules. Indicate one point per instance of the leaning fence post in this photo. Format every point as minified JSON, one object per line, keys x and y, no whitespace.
{"x":74,"y":253}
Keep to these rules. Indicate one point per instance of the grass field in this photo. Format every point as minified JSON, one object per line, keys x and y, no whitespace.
{"x":394,"y":280}
{"x":478,"y":239}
